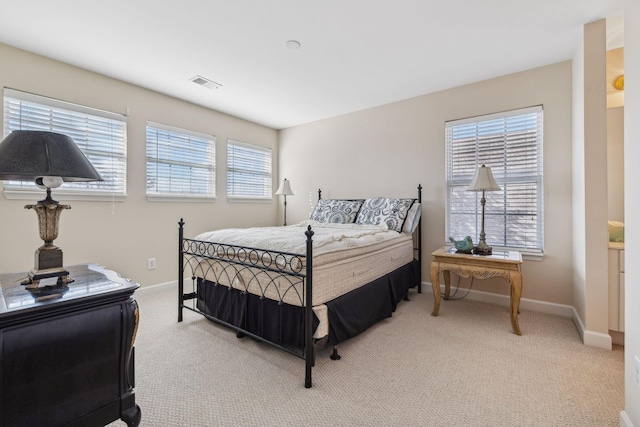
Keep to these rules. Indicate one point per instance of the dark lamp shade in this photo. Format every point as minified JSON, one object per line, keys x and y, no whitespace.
{"x":26,"y":155}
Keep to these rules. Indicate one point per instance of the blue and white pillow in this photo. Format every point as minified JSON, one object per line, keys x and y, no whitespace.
{"x":336,"y":211}
{"x":380,"y":210}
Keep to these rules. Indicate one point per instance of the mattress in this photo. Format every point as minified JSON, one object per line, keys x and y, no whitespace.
{"x":345,"y":257}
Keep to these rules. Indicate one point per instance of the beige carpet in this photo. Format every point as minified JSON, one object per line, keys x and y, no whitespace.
{"x":462,"y":368}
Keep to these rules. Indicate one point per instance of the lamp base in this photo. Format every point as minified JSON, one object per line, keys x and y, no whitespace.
{"x":48,"y":257}
{"x":48,"y":263}
{"x":33,"y":281}
{"x":482,"y":249}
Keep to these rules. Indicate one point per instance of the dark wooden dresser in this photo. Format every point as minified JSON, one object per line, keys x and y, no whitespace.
{"x":66,"y":352}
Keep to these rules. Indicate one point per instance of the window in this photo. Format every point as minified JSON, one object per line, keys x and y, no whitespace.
{"x":511,"y":144}
{"x":101,"y":136}
{"x":180,"y":164}
{"x":248,"y":171}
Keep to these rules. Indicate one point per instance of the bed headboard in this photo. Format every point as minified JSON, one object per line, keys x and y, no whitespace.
{"x":417,"y":233}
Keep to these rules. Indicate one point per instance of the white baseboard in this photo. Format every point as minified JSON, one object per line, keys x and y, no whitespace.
{"x":597,"y":339}
{"x":525,"y":303}
{"x":624,"y":420}
{"x":577,"y":321}
{"x":152,"y":289}
{"x":591,"y":338}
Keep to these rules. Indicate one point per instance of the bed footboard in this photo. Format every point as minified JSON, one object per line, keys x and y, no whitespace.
{"x":257,"y":273}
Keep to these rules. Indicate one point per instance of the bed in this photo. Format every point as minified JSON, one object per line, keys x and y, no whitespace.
{"x":304,"y":286}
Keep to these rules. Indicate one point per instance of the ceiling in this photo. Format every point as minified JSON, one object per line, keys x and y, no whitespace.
{"x":354,"y":54}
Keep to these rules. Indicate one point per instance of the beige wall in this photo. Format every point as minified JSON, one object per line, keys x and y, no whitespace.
{"x":615,"y":163}
{"x":632,"y":206}
{"x":123,"y":235}
{"x":595,"y":178}
{"x":590,"y":206}
{"x":388,"y":150}
{"x":578,"y":193}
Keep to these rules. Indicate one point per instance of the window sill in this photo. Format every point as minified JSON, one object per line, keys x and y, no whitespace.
{"x":245,"y":199}
{"x":532,"y":256}
{"x":180,"y":199}
{"x":62,"y":195}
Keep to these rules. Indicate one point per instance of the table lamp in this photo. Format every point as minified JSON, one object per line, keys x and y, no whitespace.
{"x":483,"y":181}
{"x":285,"y":190}
{"x":48,"y":159}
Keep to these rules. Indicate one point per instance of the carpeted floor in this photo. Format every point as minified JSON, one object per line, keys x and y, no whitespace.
{"x":462,"y":368}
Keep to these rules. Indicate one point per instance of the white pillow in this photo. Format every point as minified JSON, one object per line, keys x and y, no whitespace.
{"x":413,"y":218}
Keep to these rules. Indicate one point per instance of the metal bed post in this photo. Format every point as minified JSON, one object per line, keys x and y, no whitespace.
{"x":180,"y":270}
{"x":308,"y":312}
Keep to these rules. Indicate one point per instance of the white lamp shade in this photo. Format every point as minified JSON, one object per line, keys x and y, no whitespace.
{"x":285,"y":189}
{"x":483,"y":180}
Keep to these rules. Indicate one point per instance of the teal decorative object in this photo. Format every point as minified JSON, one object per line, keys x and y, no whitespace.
{"x":464,"y":246}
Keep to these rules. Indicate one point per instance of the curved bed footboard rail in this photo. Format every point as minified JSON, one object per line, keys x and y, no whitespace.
{"x":280,"y":276}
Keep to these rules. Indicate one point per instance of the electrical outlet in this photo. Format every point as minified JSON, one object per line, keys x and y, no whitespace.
{"x":637,"y":370}
{"x":151,"y":264}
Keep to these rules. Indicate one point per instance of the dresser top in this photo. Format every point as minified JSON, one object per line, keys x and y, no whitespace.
{"x":90,"y":281}
{"x":498,"y":256}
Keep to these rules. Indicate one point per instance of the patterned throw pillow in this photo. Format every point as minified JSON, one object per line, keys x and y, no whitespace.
{"x":336,"y":211}
{"x":380,"y":209}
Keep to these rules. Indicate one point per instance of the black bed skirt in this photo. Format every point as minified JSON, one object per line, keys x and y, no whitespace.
{"x":283,"y":324}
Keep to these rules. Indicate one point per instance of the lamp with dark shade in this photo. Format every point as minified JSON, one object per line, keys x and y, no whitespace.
{"x":285,"y":190}
{"x":483,"y":181}
{"x":49,"y":159}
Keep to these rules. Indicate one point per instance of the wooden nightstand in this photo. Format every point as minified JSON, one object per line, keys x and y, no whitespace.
{"x":66,"y":353}
{"x":505,"y":264}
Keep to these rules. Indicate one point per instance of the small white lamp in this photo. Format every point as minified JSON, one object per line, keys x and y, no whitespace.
{"x":285,"y":190}
{"x":483,"y":181}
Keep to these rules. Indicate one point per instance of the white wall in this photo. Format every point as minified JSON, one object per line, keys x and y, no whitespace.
{"x":632,"y":205}
{"x":123,"y":235}
{"x":388,"y":150}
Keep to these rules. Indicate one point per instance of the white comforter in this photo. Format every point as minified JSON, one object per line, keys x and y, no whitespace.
{"x":327,"y":237}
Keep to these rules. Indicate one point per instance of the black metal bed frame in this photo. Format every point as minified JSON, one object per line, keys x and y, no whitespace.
{"x":295,"y":269}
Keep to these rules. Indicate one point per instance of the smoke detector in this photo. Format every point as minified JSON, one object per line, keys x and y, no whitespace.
{"x":202,"y":81}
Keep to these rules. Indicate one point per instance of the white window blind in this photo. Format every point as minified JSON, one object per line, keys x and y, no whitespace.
{"x":511,"y":144}
{"x":180,"y":163}
{"x":101,"y":136}
{"x":248,"y":171}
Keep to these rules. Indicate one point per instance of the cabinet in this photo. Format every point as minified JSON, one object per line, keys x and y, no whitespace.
{"x":616,"y":287}
{"x":66,"y":352}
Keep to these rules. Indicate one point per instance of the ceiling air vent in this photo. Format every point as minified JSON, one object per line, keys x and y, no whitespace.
{"x":205,"y":82}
